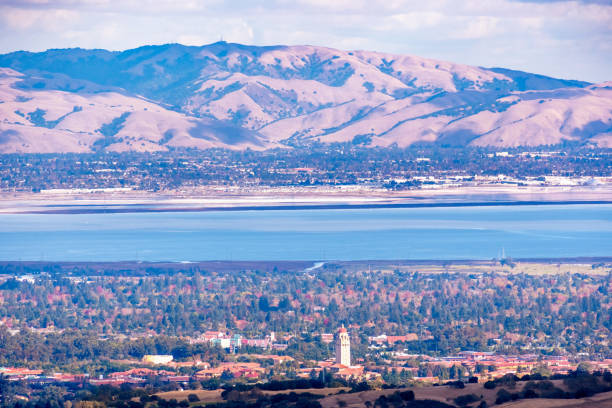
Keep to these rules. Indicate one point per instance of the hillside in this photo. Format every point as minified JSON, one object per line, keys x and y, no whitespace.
{"x":234,"y":96}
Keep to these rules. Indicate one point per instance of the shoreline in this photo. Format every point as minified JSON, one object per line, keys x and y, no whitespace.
{"x":293,"y":198}
{"x":129,"y":269}
{"x":308,"y":263}
{"x":148,"y":208}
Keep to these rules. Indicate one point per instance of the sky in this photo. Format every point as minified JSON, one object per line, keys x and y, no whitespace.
{"x":567,"y":39}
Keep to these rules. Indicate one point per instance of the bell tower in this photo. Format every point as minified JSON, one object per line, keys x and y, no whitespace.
{"x":343,"y":347}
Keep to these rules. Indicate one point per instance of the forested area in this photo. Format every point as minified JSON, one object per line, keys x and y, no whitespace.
{"x":63,"y":317}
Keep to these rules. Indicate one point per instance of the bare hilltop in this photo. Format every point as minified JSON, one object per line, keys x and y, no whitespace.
{"x":224,"y":95}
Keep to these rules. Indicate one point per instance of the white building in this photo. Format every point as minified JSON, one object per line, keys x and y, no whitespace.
{"x":343,"y":347}
{"x":157,"y":359}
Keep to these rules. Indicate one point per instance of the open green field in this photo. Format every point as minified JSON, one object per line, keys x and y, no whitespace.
{"x":211,"y":396}
{"x":603,"y":400}
{"x":205,"y":396}
{"x":447,"y":394}
{"x":587,"y":266}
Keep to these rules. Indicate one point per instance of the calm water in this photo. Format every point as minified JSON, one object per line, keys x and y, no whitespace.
{"x":403,"y":233}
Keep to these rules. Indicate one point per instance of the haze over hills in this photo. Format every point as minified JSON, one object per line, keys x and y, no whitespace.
{"x":235,"y":96}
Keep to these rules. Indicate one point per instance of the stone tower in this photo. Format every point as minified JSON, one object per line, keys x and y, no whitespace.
{"x":343,"y":347}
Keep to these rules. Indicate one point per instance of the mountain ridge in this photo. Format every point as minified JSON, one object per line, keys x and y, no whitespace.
{"x":240,"y":96}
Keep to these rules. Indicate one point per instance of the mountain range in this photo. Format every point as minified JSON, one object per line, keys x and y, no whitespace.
{"x":225,"y":95}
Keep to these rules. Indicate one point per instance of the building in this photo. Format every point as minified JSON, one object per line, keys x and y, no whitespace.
{"x":157,"y":359}
{"x":246,"y":370}
{"x":384,"y":339}
{"x":343,"y":347}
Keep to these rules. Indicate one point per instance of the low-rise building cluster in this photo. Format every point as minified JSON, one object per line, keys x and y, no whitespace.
{"x":236,"y":341}
{"x":261,"y":367}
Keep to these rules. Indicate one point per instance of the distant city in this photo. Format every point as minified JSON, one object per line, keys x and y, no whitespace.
{"x":334,"y":166}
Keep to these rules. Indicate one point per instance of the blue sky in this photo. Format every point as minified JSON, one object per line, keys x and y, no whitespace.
{"x":569,"y":39}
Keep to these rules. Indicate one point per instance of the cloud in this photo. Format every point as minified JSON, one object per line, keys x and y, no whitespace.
{"x":564,"y":38}
{"x":27,"y":19}
{"x":602,"y":2}
{"x":479,"y":27}
{"x":417,"y":19}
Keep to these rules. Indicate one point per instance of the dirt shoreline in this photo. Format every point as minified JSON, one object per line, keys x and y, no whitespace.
{"x":140,"y":209}
{"x":305,"y":265}
{"x":237,"y":199}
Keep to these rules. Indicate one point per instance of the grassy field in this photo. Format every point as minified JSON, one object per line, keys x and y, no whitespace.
{"x":205,"y":396}
{"x":603,"y":266}
{"x":443,"y":393}
{"x":603,"y":400}
{"x":208,"y":396}
{"x":316,"y":391}
{"x":552,"y":267}
{"x":447,"y":395}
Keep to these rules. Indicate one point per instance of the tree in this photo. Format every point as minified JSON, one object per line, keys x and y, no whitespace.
{"x":264,"y":304}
